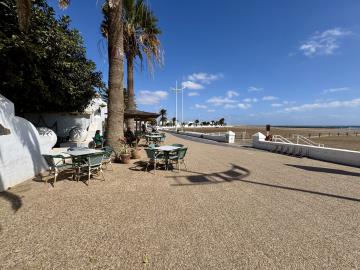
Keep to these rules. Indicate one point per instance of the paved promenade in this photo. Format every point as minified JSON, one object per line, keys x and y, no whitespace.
{"x":235,"y":208}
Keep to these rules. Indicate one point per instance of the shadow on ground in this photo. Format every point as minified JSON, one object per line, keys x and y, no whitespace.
{"x":141,"y":166}
{"x":66,"y":175}
{"x":14,"y":200}
{"x":324,"y":170}
{"x":238,"y":173}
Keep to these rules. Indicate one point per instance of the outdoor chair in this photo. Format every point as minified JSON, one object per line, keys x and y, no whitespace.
{"x":162,"y":139}
{"x":57,"y":164}
{"x":154,"y":157}
{"x":88,"y":166}
{"x":107,"y":156}
{"x":153,"y":145}
{"x":178,"y":157}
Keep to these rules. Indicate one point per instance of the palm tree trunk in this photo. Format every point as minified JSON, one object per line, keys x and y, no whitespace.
{"x":130,"y":88}
{"x":23,"y":10}
{"x":115,"y":121}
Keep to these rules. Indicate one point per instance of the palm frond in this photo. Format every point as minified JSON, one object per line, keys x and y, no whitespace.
{"x":64,"y":3}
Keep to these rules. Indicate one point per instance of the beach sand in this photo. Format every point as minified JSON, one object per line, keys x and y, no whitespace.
{"x":330,"y":137}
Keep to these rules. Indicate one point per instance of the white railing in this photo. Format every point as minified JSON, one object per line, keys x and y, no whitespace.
{"x":279,"y":138}
{"x":303,"y":140}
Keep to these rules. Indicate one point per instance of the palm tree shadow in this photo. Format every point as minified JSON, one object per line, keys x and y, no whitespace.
{"x":324,"y":170}
{"x":238,"y":173}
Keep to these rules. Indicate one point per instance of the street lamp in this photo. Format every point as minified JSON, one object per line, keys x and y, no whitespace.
{"x":176,"y":90}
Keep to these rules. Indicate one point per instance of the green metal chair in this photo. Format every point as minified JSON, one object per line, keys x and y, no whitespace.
{"x":178,"y":157}
{"x":153,"y":145}
{"x":90,"y":165}
{"x":162,"y":139}
{"x":153,"y":156}
{"x":57,"y":164}
{"x":108,"y":151}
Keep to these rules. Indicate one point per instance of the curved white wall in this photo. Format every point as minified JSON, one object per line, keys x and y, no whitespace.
{"x":340,"y":156}
{"x":20,"y":151}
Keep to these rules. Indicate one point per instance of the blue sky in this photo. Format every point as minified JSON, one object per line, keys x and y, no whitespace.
{"x":252,"y":62}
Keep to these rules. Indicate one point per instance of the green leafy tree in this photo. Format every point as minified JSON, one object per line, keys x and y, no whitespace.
{"x":141,"y":39}
{"x":197,"y":122}
{"x":174,"y":121}
{"x":44,"y":70}
{"x":115,"y":120}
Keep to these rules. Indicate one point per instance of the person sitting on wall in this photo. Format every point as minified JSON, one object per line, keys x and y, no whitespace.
{"x":269,"y":137}
{"x":130,"y":137}
{"x":98,"y":139}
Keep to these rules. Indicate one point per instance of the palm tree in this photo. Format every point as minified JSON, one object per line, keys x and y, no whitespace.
{"x":141,"y":39}
{"x":163,"y":116}
{"x":115,"y":121}
{"x":222,"y":121}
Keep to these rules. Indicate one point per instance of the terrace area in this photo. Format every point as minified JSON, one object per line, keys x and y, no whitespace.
{"x":235,"y":207}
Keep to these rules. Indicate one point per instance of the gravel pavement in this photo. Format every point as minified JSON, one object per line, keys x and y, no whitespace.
{"x":235,"y":208}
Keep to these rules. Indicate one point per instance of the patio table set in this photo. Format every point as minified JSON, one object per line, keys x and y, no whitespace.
{"x":80,"y":161}
{"x":166,"y":154}
{"x":155,"y":137}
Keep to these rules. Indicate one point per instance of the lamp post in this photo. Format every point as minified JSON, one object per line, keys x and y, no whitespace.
{"x":176,"y":90}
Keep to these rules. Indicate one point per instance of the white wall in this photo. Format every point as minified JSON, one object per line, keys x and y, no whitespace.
{"x":20,"y":157}
{"x":229,"y":137}
{"x":340,"y":156}
{"x":92,"y":119}
{"x":65,"y":121}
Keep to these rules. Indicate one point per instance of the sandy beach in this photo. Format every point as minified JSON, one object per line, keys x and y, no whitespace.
{"x":330,"y":137}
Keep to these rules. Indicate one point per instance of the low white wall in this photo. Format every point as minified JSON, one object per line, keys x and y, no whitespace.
{"x":219,"y":138}
{"x":65,"y":121}
{"x":20,"y":151}
{"x":340,"y":156}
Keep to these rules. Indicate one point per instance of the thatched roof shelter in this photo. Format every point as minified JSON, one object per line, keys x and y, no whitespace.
{"x":140,"y":115}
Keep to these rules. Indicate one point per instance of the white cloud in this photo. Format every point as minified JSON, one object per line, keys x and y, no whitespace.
{"x":333,"y":104}
{"x":250,"y":100}
{"x":199,"y":106}
{"x":193,"y":94}
{"x":285,"y":102}
{"x":151,"y":97}
{"x":204,"y":77}
{"x":324,"y":43}
{"x":192,"y":85}
{"x":229,"y":106}
{"x":211,"y":110}
{"x":244,"y":106}
{"x":231,"y":94}
{"x":217,"y":101}
{"x":277,"y":105}
{"x":269,"y":98}
{"x":255,"y":89}
{"x":333,"y":90}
